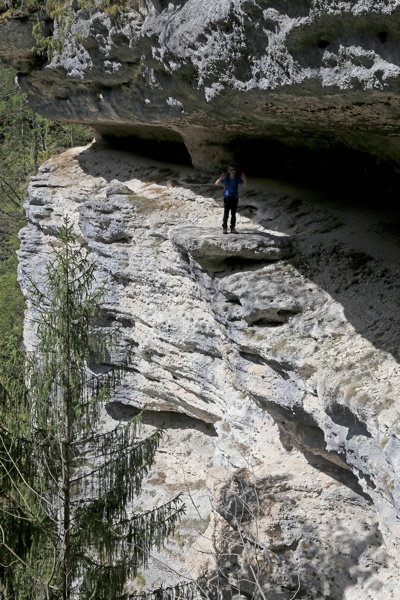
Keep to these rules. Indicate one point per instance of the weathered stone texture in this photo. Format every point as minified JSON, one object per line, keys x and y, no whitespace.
{"x":224,"y":77}
{"x":284,"y":365}
{"x":271,"y":357}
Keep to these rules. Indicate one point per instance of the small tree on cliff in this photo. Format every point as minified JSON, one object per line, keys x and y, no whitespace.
{"x":65,"y":526}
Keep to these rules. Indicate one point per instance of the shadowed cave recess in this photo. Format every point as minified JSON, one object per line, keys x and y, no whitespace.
{"x":338,"y":168}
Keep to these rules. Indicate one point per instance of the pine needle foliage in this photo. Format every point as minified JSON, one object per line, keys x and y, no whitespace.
{"x":181,"y":591}
{"x":66,"y":527}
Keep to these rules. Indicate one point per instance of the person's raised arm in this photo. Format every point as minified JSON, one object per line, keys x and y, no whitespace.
{"x":222,"y":176}
{"x":243,"y":176}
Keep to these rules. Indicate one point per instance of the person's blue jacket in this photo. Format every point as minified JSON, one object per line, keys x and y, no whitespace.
{"x":231,"y":185}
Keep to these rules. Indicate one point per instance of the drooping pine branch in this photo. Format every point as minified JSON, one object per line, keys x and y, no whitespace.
{"x":113,"y":565}
{"x":182,"y":591}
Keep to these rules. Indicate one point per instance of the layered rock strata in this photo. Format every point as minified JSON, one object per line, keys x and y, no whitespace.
{"x":270,"y":357}
{"x":212,"y":80}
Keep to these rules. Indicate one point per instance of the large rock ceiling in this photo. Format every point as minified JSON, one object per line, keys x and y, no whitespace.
{"x":216,"y":79}
{"x":270,"y":357}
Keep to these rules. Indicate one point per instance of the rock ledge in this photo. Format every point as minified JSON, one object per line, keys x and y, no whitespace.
{"x":206,"y":243}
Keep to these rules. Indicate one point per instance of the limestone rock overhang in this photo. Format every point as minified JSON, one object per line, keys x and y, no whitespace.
{"x":278,"y":88}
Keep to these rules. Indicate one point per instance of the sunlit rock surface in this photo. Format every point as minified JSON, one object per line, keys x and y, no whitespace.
{"x":203,"y":244}
{"x":275,"y":376}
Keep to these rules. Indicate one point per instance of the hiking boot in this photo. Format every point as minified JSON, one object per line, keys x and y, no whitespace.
{"x":233,"y":230}
{"x":224,"y":230}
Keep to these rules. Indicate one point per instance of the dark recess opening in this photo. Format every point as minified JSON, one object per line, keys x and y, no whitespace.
{"x":338,"y":168}
{"x":158,"y":143}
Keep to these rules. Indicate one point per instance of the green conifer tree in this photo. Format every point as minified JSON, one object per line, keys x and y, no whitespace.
{"x":66,"y":530}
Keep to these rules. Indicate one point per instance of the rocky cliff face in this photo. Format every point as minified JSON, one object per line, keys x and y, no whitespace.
{"x":271,"y":357}
{"x":216,"y":79}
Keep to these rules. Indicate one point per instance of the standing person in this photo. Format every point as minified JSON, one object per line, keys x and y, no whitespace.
{"x":231,"y":181}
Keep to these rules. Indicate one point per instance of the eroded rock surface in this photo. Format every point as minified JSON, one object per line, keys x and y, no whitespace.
{"x":212,"y":80}
{"x":203,"y":244}
{"x":277,"y":379}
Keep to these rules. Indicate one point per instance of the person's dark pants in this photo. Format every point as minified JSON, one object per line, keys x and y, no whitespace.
{"x":230,"y":206}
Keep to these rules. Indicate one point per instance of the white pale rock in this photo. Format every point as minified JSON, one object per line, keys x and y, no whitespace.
{"x":275,"y":373}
